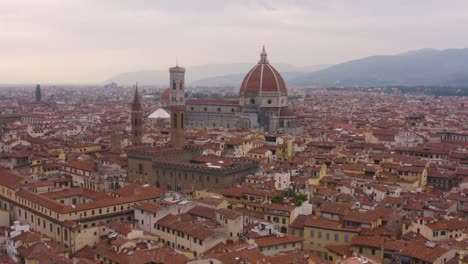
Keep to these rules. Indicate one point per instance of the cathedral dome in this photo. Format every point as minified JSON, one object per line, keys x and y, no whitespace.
{"x":263,"y":79}
{"x":165,"y":97}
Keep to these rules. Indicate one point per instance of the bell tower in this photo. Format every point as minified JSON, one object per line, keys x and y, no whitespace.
{"x":177,"y":105}
{"x":137,"y":119}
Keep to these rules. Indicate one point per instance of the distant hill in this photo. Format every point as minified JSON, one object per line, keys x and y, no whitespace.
{"x":421,"y":67}
{"x":288,"y":73}
{"x":209,"y":74}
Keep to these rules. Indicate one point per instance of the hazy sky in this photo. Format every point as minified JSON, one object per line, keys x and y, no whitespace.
{"x":88,"y":41}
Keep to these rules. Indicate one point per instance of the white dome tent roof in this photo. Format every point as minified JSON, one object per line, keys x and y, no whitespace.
{"x":160,"y":113}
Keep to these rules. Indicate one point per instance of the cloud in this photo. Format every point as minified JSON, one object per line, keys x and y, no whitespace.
{"x":88,"y":41}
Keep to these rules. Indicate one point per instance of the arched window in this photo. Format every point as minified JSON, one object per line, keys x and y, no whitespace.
{"x":252,"y":101}
{"x":174,"y":85}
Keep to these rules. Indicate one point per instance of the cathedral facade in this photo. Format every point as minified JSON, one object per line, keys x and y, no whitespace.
{"x":262,"y":105}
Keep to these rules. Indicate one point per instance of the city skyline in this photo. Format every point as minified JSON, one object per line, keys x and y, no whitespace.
{"x":88,"y":42}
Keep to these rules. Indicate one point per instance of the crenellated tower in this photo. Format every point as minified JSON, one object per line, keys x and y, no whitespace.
{"x":177,"y":105}
{"x":137,"y":119}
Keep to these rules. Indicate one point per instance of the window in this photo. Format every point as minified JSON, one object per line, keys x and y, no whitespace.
{"x":269,"y":101}
{"x":346,"y":238}
{"x":312,"y":233}
{"x":373,"y":252}
{"x":327,"y":235}
{"x":182,"y":120}
{"x":252,"y":101}
{"x":337,"y":237}
{"x":219,"y":109}
{"x":319,"y":234}
{"x":174,"y":120}
{"x":174,"y":85}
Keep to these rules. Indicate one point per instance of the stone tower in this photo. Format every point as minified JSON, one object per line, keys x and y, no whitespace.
{"x":177,"y":105}
{"x":38,"y":93}
{"x":137,"y":119}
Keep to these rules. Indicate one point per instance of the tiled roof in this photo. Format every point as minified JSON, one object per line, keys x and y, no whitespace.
{"x":180,"y":224}
{"x":419,"y":250}
{"x":277,"y":240}
{"x":202,"y":211}
{"x":148,"y":207}
{"x":10,"y":180}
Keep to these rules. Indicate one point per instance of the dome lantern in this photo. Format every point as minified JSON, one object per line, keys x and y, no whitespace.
{"x":263,"y":56}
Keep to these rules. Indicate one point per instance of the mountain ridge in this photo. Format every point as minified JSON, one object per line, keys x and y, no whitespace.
{"x":200,"y":72}
{"x":411,"y":68}
{"x":420,"y":67}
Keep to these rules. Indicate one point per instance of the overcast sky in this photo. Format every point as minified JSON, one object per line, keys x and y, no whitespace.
{"x":88,"y":41}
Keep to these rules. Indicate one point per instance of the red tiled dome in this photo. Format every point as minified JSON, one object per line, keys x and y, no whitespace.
{"x":263,"y":78}
{"x":165,"y":96}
